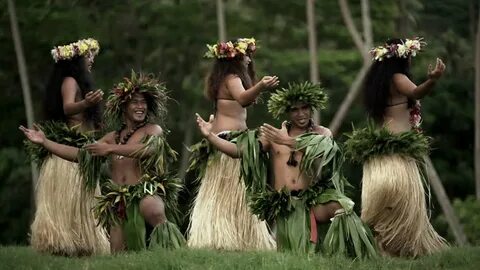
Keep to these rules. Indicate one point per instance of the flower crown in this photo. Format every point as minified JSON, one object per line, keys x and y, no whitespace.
{"x":231,"y":49}
{"x":309,"y":93}
{"x":407,"y":48}
{"x":155,"y":92}
{"x":84,"y":47}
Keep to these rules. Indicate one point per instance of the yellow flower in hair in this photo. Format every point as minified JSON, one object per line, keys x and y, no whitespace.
{"x":83,"y":48}
{"x":242,"y":47}
{"x":86,"y":47}
{"x":230,"y":49}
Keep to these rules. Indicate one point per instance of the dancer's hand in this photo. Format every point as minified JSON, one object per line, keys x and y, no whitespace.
{"x":269,"y":81}
{"x":275,"y":135}
{"x":98,"y":149}
{"x":205,"y":127}
{"x":36,"y":135}
{"x":94,"y":97}
{"x":436,"y":73}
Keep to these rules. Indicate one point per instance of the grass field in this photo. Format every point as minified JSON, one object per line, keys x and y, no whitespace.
{"x":15,"y":257}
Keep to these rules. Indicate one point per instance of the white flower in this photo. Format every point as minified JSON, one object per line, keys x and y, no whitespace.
{"x":402,"y":50}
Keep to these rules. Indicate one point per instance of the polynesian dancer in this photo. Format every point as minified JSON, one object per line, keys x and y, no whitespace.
{"x":220,"y":216}
{"x":63,"y":222}
{"x":393,"y":183}
{"x":142,"y":189}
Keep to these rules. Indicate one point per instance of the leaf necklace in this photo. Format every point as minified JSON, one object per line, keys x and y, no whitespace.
{"x":129,"y":134}
{"x":291,"y":161}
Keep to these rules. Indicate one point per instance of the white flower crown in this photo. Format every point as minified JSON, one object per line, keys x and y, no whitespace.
{"x":407,"y":48}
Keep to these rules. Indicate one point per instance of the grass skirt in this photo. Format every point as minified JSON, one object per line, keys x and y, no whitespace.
{"x":64,"y":223}
{"x":221,"y":218}
{"x":394,"y":205}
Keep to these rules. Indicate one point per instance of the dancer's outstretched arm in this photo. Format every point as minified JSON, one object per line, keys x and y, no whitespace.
{"x":246,"y":97}
{"x":408,"y":88}
{"x":37,"y":136}
{"x":102,"y":148}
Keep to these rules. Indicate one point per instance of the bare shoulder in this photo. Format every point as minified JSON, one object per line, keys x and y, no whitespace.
{"x":232,"y":79}
{"x":153,"y":129}
{"x":403,"y":85}
{"x":69,"y":83}
{"x":322,"y":130}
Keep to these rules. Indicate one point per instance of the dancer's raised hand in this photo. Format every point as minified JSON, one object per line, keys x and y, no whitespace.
{"x":34,"y":135}
{"x":94,"y":97}
{"x":275,"y":135}
{"x":205,"y":127}
{"x":269,"y":81}
{"x":435,"y":74}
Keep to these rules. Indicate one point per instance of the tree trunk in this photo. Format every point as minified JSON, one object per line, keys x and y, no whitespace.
{"x":342,"y":111}
{"x":447,"y":208}
{"x":363,"y":47}
{"x":352,"y":29}
{"x":312,"y":48}
{"x":222,"y":32}
{"x":367,"y":28}
{"x":402,"y":21}
{"x":22,"y":70}
{"x":477,"y":108}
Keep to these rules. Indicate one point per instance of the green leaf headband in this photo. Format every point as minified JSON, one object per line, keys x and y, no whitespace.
{"x":309,"y":93}
{"x":146,"y":84}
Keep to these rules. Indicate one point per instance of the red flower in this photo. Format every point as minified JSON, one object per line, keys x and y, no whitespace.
{"x":121,"y":210}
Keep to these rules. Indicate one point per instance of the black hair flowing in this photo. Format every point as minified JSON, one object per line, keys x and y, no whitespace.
{"x":376,"y":90}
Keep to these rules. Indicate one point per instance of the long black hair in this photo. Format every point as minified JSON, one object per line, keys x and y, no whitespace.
{"x":379,"y":80}
{"x":53,"y":102}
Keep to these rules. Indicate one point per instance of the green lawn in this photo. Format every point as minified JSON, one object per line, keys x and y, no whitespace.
{"x":14,"y":257}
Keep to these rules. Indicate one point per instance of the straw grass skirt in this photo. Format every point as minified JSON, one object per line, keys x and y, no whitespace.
{"x":221,"y":218}
{"x":64,"y":223}
{"x":394,"y":205}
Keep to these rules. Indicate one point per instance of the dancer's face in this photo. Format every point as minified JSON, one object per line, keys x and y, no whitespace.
{"x":89,"y":61}
{"x":136,"y":108}
{"x":300,"y":115}
{"x":246,"y":60}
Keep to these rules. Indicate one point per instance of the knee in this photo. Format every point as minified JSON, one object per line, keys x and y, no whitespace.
{"x":155,"y":217}
{"x":333,"y":208}
{"x":153,"y":210}
{"x":324,"y":212}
